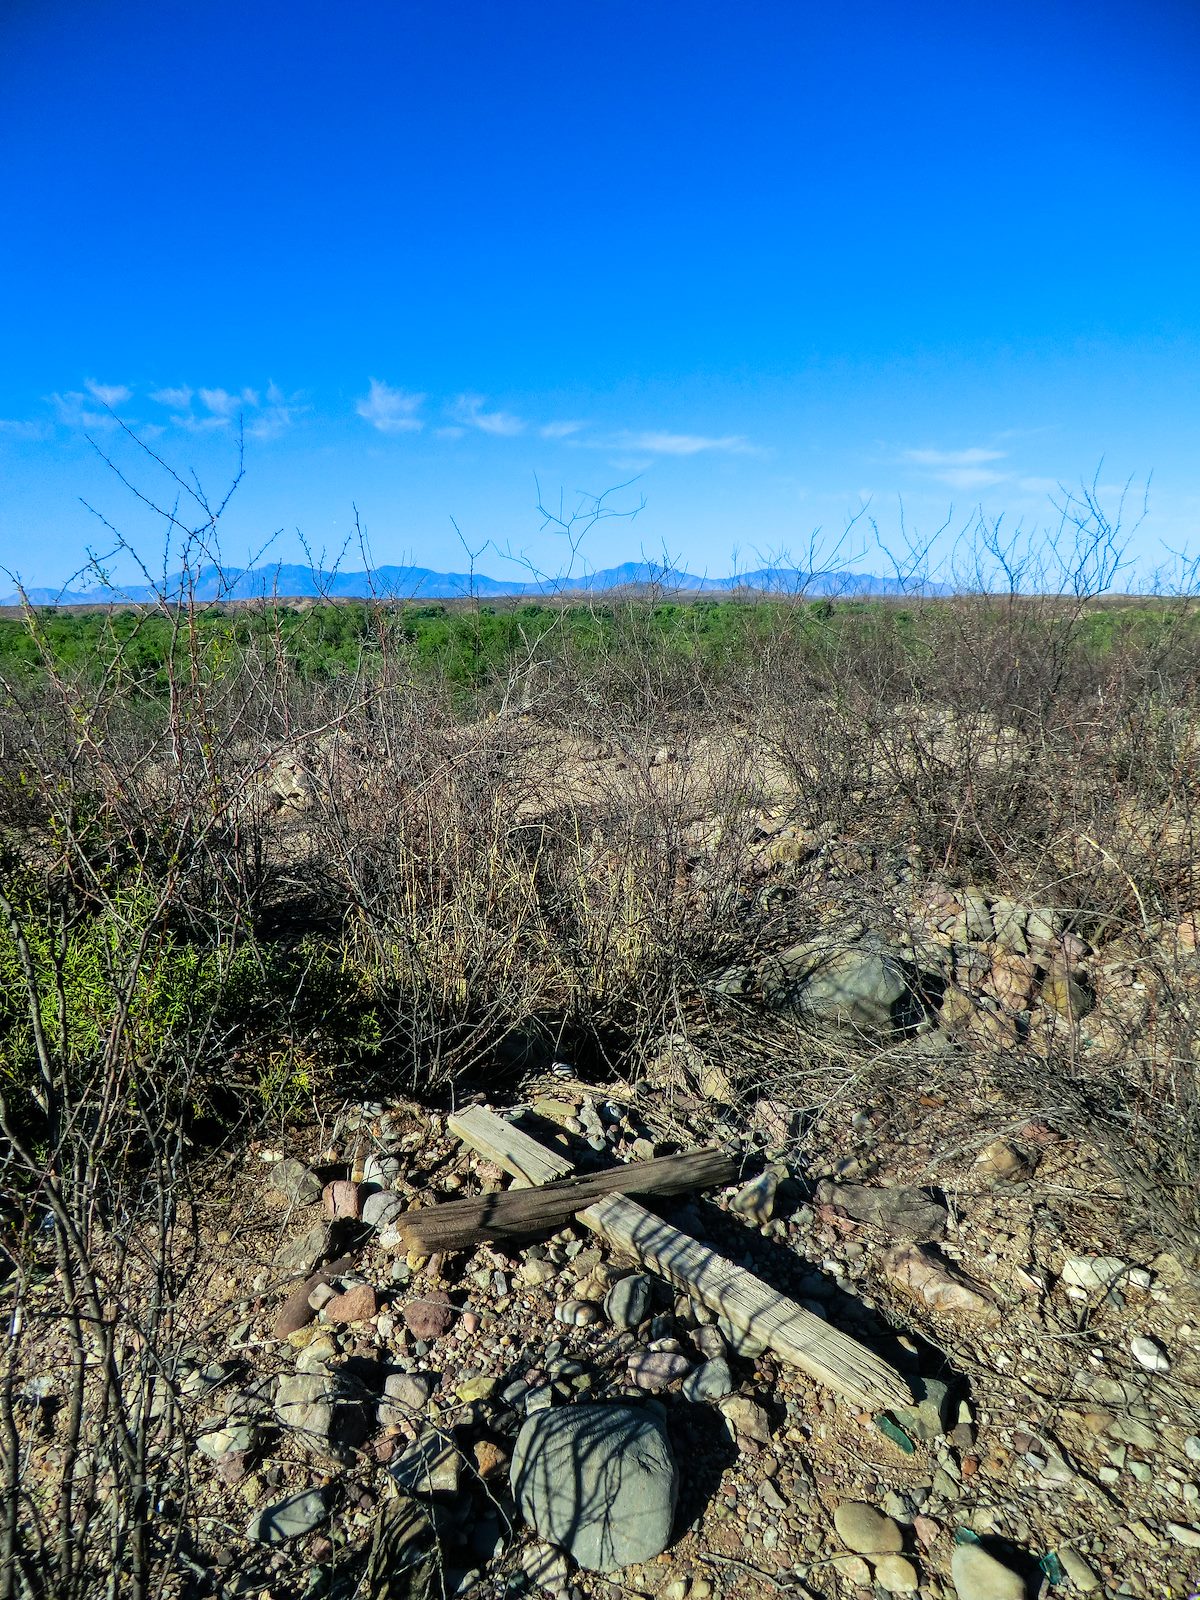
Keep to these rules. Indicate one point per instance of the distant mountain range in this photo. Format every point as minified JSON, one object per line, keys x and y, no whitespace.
{"x":294,"y":582}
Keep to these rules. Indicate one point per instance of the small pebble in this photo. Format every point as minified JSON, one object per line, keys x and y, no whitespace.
{"x":1150,"y":1354}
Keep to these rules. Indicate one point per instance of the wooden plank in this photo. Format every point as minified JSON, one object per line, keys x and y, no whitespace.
{"x":507,"y":1147}
{"x":525,"y":1213}
{"x":832,"y":1357}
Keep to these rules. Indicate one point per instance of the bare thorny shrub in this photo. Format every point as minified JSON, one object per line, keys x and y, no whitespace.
{"x":461,"y":885}
{"x":134,"y":875}
{"x":989,"y":740}
{"x":522,"y":882}
{"x":441,"y":895}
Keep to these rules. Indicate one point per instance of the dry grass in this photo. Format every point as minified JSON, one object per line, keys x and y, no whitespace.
{"x":268,"y":892}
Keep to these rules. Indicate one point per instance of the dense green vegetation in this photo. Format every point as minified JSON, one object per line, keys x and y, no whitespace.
{"x":465,"y":646}
{"x":469,"y":648}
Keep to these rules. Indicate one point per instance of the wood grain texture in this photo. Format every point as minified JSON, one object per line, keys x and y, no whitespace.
{"x":832,"y":1357}
{"x":525,"y":1213}
{"x":507,"y":1147}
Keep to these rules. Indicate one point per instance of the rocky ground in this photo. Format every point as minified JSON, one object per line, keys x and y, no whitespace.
{"x":1052,"y":1441}
{"x":362,"y":1420}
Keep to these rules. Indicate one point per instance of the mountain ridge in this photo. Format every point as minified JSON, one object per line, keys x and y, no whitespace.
{"x":292,"y":581}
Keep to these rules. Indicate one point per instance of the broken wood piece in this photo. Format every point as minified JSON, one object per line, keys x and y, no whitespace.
{"x":832,"y":1358}
{"x":796,"y":1335}
{"x":507,"y":1147}
{"x":524,"y":1213}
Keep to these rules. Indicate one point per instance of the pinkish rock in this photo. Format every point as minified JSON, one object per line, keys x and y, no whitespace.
{"x":430,"y":1316}
{"x":657,"y":1368}
{"x":941,"y":1285}
{"x":357,"y":1304}
{"x":296,"y":1311}
{"x":343,"y":1199}
{"x":231,"y":1467}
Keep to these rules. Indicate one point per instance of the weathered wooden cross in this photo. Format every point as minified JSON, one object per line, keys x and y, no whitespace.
{"x":745,"y":1301}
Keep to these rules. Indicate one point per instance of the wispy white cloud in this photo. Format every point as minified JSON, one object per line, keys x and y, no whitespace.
{"x":178,"y":399}
{"x":975,"y":456}
{"x":469,"y":410}
{"x":658,"y":443}
{"x":194,"y":424}
{"x":76,"y":409}
{"x":278,"y":415}
{"x":108,"y":394}
{"x":391,"y":410}
{"x":72,"y":410}
{"x":560,"y":430}
{"x":267,"y":418}
{"x":966,"y":469}
{"x":223,"y":404}
{"x":15,"y":428}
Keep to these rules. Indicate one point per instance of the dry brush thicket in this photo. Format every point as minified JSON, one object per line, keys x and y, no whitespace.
{"x":256,"y":896}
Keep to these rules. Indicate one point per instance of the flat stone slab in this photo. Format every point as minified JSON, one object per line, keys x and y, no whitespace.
{"x":289,"y":1519}
{"x":598,"y":1480}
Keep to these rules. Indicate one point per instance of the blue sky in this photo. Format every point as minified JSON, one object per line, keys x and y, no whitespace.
{"x":771,"y":260}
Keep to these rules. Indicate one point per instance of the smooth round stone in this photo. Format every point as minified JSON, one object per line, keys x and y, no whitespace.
{"x":577,"y":1313}
{"x":851,"y":1569}
{"x":866,"y":1531}
{"x":897,"y":1574}
{"x":658,"y":1368}
{"x":381,"y":1208}
{"x":381,"y":1171}
{"x":599,"y":1480}
{"x":712,"y":1381}
{"x":627,"y":1303}
{"x":979,"y":1576}
{"x":710,"y":1341}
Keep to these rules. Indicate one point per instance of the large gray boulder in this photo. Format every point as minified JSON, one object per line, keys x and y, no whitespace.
{"x":849,"y":985}
{"x":599,"y":1480}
